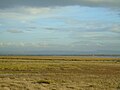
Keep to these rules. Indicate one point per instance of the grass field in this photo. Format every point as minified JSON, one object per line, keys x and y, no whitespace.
{"x":59,"y":73}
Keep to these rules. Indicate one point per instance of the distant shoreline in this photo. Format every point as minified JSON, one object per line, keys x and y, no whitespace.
{"x":101,"y":55}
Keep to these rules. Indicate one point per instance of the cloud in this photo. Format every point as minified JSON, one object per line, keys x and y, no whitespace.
{"x":66,"y":14}
{"x":115,"y":28}
{"x":22,"y":44}
{"x":14,"y":31}
{"x":51,"y":28}
{"x":31,"y":28}
{"x":53,"y":3}
{"x":26,"y":13}
{"x":35,"y":11}
{"x":30,"y":44}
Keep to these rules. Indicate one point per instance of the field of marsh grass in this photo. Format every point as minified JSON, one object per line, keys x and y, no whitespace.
{"x":59,"y":73}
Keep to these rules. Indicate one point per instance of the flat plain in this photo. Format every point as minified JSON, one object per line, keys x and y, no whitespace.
{"x":59,"y":73}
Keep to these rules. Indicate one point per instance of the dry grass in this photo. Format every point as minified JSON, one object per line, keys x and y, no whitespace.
{"x":59,"y":73}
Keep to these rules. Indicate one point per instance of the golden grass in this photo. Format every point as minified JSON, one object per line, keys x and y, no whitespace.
{"x":59,"y":73}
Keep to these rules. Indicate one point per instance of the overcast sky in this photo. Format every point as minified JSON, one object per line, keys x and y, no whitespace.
{"x":59,"y":27}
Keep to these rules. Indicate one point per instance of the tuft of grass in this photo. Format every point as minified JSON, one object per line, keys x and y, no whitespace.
{"x":118,"y":87}
{"x":43,"y":82}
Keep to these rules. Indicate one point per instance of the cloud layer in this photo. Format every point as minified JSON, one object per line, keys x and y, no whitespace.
{"x":57,"y":25}
{"x":52,"y":3}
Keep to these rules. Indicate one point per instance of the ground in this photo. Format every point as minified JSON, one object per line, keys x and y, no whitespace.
{"x":59,"y":73}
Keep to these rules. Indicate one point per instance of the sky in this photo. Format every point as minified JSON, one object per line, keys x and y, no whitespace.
{"x":59,"y":27}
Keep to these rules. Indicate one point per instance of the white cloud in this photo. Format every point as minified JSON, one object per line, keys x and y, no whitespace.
{"x":24,"y":44}
{"x":115,"y":28}
{"x":36,"y":11}
{"x":25,"y":14}
{"x":1,"y":44}
{"x":14,"y":31}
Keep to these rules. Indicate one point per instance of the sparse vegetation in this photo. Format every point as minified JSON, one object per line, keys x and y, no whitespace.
{"x":59,"y":73}
{"x":43,"y":82}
